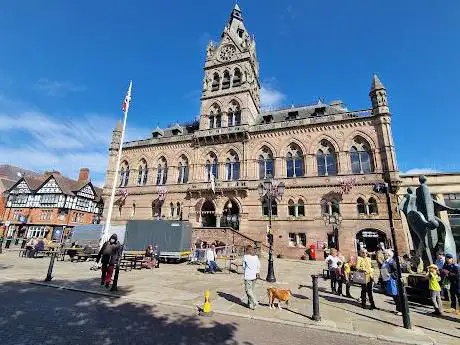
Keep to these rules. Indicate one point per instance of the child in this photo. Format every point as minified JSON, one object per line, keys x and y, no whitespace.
{"x":435,"y":288}
{"x":340,"y":277}
{"x":346,"y":272}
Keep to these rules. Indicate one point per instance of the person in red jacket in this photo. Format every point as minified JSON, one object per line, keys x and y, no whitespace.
{"x":108,"y":255}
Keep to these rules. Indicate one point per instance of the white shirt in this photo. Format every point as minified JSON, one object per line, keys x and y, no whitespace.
{"x":210,"y":255}
{"x":251,"y":264}
{"x":333,"y":261}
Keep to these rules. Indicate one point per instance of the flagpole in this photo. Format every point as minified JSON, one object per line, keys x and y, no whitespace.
{"x":105,"y":234}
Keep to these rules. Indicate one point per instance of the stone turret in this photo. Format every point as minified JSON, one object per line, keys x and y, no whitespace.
{"x":378,"y":95}
{"x":116,"y":137}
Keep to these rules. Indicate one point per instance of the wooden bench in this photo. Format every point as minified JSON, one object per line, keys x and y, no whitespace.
{"x":130,"y":260}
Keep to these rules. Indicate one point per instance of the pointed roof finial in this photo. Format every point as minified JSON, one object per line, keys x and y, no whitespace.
{"x":237,"y":8}
{"x":376,"y":83}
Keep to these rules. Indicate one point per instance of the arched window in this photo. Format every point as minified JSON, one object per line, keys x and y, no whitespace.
{"x":212,"y":166}
{"x":361,"y":157}
{"x":162,"y":171}
{"x":215,"y":82}
{"x":294,"y":161}
{"x":330,"y":206}
{"x":266,"y":163}
{"x":361,"y":206}
{"x":372,"y":206}
{"x":172,"y":209}
{"x":211,"y":120}
{"x":178,"y":210}
{"x":292,"y":208}
{"x":232,"y":167}
{"x":183,"y":170}
{"x":326,"y":159}
{"x":218,"y":120}
{"x":226,"y":80}
{"x":124,"y":174}
{"x":296,"y":209}
{"x":142,"y":174}
{"x":300,"y":208}
{"x":265,"y":208}
{"x":236,"y":77}
{"x":234,"y":114}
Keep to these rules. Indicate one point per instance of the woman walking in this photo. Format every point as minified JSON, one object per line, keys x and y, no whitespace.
{"x":364,"y":264}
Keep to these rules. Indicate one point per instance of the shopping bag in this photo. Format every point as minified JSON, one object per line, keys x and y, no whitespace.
{"x":391,"y":288}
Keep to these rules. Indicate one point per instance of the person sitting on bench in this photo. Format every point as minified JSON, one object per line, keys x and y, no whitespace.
{"x":39,"y":247}
{"x":30,"y":245}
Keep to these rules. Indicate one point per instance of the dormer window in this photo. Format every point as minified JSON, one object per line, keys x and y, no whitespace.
{"x":176,"y":130}
{"x":157,"y":133}
{"x":268,"y":118}
{"x":292,"y":115}
{"x":319,"y":111}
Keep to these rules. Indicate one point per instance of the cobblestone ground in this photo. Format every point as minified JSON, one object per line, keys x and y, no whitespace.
{"x":184,"y":285}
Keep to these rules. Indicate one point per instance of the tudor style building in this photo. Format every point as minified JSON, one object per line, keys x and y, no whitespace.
{"x":208,"y":172}
{"x":51,"y":204}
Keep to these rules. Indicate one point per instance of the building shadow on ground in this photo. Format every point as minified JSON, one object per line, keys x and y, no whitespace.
{"x":37,"y":314}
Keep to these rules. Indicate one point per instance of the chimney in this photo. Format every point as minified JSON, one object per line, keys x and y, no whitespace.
{"x":84,"y":174}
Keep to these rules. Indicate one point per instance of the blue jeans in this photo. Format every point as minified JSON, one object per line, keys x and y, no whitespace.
{"x":212,"y":266}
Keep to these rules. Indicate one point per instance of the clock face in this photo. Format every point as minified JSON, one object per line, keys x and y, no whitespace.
{"x":227,"y":52}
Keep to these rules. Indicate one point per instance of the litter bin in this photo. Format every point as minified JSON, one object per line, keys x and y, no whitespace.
{"x":16,"y":242}
{"x":7,"y":243}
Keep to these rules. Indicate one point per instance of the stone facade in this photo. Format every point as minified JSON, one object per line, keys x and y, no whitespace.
{"x":238,"y":145}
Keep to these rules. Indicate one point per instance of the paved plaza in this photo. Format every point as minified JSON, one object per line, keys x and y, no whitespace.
{"x":182,"y":286}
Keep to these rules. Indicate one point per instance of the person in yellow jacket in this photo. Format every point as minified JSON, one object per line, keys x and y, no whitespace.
{"x":364,"y":264}
{"x":435,"y":288}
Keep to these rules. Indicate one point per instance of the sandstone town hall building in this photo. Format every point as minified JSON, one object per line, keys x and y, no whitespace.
{"x":238,"y":146}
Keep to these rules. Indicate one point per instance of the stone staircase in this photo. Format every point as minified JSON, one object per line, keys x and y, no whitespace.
{"x":227,"y":235}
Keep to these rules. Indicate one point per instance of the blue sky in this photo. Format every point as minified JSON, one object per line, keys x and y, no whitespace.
{"x":65,"y":67}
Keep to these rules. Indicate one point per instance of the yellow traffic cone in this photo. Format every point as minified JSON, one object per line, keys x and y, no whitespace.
{"x":206,"y":311}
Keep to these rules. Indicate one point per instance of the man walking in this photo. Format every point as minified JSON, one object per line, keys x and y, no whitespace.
{"x":108,"y":255}
{"x":251,"y":265}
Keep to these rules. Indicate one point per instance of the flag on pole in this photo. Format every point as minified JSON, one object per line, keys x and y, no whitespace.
{"x":213,"y":183}
{"x":127,"y":99}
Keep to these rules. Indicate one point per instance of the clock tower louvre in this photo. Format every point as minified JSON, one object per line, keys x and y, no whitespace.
{"x":231,"y":88}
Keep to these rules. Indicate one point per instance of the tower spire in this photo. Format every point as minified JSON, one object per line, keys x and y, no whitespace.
{"x":378,"y":95}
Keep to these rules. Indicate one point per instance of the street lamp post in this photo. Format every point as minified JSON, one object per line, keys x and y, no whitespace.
{"x":385,"y":188}
{"x":268,"y":191}
{"x":335,"y":220}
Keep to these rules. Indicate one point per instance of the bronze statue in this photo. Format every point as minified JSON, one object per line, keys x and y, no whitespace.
{"x":429,"y":233}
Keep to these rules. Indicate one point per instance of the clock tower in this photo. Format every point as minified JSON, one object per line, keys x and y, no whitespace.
{"x":231,"y":88}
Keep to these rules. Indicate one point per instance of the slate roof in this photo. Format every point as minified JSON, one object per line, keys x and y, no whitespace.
{"x":67,"y":185}
{"x":302,"y":112}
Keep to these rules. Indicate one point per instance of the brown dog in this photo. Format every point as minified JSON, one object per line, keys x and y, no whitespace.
{"x":282,"y":295}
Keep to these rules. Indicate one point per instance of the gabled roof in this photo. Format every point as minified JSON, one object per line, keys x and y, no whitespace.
{"x":67,"y":185}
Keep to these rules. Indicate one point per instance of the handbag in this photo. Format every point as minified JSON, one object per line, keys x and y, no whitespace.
{"x":359,"y":277}
{"x":391,"y":288}
{"x":446,"y":283}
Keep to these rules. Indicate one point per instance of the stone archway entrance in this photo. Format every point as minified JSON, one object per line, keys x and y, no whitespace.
{"x":231,"y":215}
{"x":369,"y":239}
{"x":208,"y":214}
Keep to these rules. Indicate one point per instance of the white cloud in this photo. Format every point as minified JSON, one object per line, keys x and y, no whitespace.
{"x":270,"y":97}
{"x":39,"y":141}
{"x":421,"y":171}
{"x":58,"y":88}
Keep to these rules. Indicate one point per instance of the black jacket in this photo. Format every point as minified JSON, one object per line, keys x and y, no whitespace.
{"x":452,"y":272}
{"x":109,"y":253}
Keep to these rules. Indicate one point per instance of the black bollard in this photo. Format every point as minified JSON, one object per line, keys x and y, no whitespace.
{"x":7,"y":243}
{"x":1,"y":244}
{"x":49,"y":275}
{"x":316,"y":316}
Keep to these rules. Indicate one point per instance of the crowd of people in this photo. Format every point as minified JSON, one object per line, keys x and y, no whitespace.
{"x":443,"y":277}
